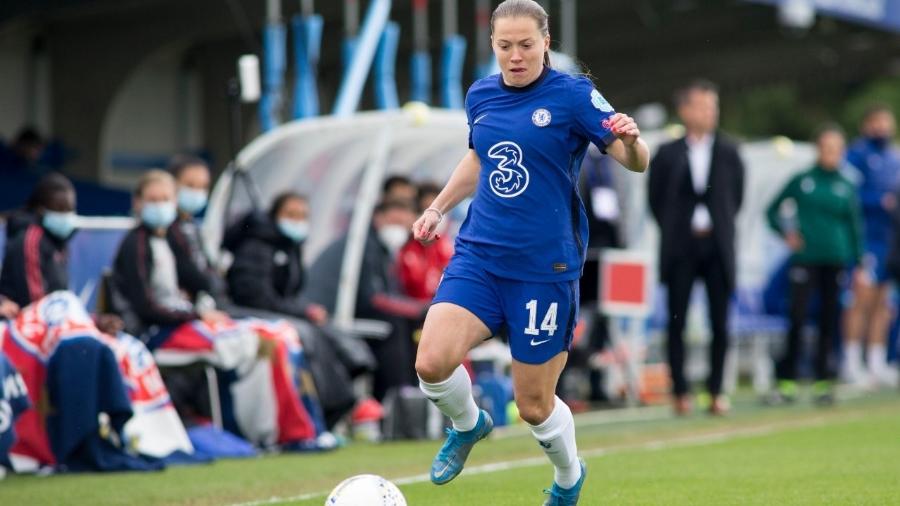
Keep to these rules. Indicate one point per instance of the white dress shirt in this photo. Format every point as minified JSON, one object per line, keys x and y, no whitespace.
{"x":700,"y":158}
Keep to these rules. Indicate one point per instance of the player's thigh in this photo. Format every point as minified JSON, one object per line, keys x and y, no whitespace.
{"x":466,"y":311}
{"x":450,"y":331}
{"x":883,"y":295}
{"x":864,"y":293}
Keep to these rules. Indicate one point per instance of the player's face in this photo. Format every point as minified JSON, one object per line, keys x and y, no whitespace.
{"x":700,"y":113}
{"x":62,"y":202}
{"x":880,"y":125}
{"x":519,"y":48}
{"x":831,"y":150}
{"x":294,"y":209}
{"x":195,"y":177}
{"x":157,"y":192}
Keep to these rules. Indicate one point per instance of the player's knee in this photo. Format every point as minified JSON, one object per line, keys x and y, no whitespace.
{"x":534,"y":411}
{"x":430,"y":368}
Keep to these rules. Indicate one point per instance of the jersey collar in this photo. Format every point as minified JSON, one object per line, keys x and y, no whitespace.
{"x":530,"y":86}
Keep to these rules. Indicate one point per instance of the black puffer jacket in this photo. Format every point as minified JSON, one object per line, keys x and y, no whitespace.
{"x":267,"y":272}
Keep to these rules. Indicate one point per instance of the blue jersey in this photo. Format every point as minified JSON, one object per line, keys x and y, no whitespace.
{"x":13,"y":401}
{"x":527,"y":221}
{"x":879,"y":169}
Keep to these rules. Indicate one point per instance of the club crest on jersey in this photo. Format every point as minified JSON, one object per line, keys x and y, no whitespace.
{"x":541,"y":117}
{"x":600,"y":102}
{"x":510,"y":178}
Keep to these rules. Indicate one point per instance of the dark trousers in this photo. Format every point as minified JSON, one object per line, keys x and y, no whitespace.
{"x":705,"y":263}
{"x":395,"y":359}
{"x":806,"y":281}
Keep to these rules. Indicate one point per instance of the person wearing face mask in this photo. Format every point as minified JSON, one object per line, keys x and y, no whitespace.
{"x":146,"y":275}
{"x":145,"y":269}
{"x":379,"y":296}
{"x":868,"y":319}
{"x":195,"y":271}
{"x":36,"y":259}
{"x":268,"y":272}
{"x":823,"y":230}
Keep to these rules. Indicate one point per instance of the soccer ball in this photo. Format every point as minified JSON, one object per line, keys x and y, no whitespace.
{"x":366,"y":490}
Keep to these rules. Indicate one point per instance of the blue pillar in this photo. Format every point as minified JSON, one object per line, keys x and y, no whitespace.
{"x":274,"y":60}
{"x":454,"y":56}
{"x":420,"y":72}
{"x":360,"y":62}
{"x":307,"y":47}
{"x":385,"y":68}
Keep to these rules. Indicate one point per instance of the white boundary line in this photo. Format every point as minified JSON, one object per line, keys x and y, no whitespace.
{"x":650,"y":446}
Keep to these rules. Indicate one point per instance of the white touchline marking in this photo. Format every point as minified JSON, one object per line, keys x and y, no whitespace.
{"x":655,"y":445}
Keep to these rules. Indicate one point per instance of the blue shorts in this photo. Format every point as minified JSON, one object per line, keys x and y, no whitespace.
{"x":540,"y":317}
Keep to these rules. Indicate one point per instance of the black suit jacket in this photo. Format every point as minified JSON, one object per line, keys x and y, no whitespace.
{"x":673,"y":198}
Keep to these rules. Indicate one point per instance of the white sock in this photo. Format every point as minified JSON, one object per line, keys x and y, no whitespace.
{"x":454,"y":398}
{"x":853,"y":358}
{"x":556,"y":436}
{"x":876,"y":358}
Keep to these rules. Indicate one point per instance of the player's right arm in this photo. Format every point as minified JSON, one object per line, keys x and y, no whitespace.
{"x":462,"y":184}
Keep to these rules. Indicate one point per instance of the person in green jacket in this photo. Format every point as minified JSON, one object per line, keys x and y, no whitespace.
{"x":818,"y":215}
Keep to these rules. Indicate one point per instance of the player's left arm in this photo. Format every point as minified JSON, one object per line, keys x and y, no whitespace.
{"x":628,"y":149}
{"x":615,"y":133}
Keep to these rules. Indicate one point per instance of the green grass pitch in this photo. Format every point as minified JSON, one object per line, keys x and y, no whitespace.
{"x":848,"y":454}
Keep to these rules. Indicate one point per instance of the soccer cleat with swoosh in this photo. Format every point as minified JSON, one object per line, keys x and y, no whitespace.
{"x":451,"y":458}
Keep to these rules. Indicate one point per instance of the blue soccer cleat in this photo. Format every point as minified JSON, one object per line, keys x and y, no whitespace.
{"x":566,"y":496}
{"x":452,"y":456}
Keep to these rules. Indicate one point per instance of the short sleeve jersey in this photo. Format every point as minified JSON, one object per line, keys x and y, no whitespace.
{"x":526,"y":221}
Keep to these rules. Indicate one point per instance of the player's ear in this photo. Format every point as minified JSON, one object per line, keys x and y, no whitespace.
{"x":547,"y":43}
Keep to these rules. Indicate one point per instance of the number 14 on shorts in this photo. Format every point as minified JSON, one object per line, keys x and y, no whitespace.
{"x":548,"y":324}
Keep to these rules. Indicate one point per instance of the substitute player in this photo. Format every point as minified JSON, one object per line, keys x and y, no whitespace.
{"x":521,"y":249}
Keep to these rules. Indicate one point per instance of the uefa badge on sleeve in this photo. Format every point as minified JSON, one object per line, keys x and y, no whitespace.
{"x":599,"y":102}
{"x":541,"y":117}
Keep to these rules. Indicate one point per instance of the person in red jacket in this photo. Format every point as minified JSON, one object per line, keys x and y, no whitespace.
{"x":420,"y":266}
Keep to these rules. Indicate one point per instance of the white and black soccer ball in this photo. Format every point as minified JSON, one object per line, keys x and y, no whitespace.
{"x":365,"y":490}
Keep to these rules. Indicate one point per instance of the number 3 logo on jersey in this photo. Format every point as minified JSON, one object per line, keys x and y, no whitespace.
{"x":510,"y":178}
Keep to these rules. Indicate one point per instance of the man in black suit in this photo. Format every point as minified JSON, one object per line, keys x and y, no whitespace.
{"x":696,"y":186}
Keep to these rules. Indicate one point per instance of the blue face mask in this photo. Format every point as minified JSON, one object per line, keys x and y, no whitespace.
{"x":191,"y":201}
{"x":61,"y":225}
{"x":294,"y":230}
{"x":158,"y":214}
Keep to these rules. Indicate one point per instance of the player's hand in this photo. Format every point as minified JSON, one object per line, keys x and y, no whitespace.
{"x":317,"y":314}
{"x":424,"y":229}
{"x":109,"y":324}
{"x":889,"y":202}
{"x":794,"y":241}
{"x":625,"y":128}
{"x":8,"y":308}
{"x":214,"y":316}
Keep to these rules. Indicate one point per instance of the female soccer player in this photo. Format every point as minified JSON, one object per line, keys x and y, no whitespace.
{"x":521,"y":249}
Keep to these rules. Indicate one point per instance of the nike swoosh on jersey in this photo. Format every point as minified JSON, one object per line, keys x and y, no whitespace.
{"x":479,"y":118}
{"x":538,"y":343}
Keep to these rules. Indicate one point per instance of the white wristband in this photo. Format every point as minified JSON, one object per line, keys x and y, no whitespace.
{"x":440,"y":214}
